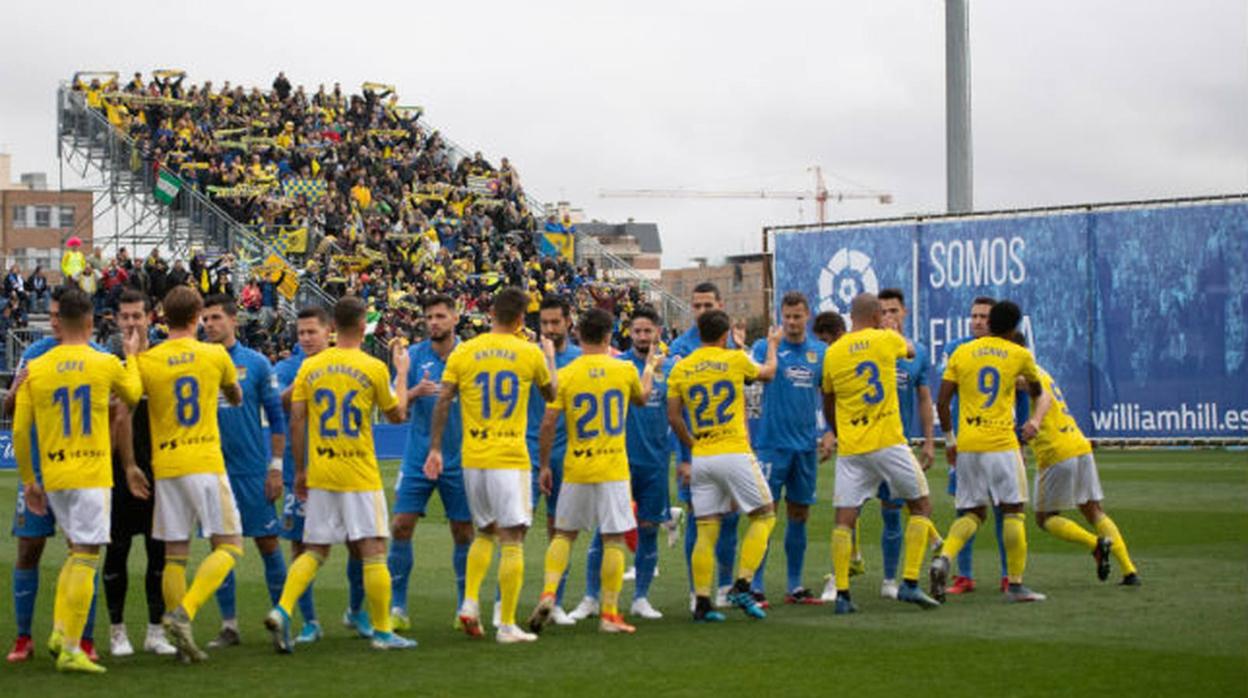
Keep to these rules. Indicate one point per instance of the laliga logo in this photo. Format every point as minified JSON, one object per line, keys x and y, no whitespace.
{"x":846,"y":275}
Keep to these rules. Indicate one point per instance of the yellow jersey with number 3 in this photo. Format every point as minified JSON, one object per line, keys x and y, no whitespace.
{"x":711,"y":382}
{"x":985,"y":370}
{"x":340,"y":388}
{"x":494,"y":374}
{"x":860,"y":368}
{"x":183,"y":379}
{"x":594,"y":393}
{"x":1059,"y":437}
{"x":65,"y":395}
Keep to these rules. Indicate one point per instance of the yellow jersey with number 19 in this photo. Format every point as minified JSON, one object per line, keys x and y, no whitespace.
{"x":711,"y":382}
{"x":985,"y":370}
{"x":1059,"y":437}
{"x":860,"y":368}
{"x":183,"y":379}
{"x":595,"y":391}
{"x":65,"y":395}
{"x":340,"y":388}
{"x":494,"y":374}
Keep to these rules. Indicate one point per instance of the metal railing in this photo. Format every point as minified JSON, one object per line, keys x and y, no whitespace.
{"x":121,"y":159}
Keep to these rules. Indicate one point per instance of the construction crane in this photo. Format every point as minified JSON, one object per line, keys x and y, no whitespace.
{"x":820,"y":194}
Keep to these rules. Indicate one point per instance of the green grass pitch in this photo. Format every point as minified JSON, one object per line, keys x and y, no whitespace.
{"x":1185,"y":632}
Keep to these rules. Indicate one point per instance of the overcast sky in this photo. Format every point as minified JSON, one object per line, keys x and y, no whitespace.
{"x":1072,"y":101}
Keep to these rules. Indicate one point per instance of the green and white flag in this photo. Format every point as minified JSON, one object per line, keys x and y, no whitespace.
{"x":167,"y":187}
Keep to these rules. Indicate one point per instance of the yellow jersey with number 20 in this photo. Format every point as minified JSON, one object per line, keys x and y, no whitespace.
{"x":860,"y":368}
{"x":985,"y":370}
{"x":711,"y":382}
{"x":183,"y":379}
{"x":595,"y":392}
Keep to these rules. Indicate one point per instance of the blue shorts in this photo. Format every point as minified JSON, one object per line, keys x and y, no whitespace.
{"x":258,"y":515}
{"x":886,"y":495}
{"x":413,"y":490}
{"x":556,"y":484}
{"x":292,"y":515}
{"x":28,"y":524}
{"x":650,"y":491}
{"x":791,"y":470}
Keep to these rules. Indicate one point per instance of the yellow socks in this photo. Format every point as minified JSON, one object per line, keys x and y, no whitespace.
{"x":612,"y":577}
{"x":1106,"y":527}
{"x":703,"y":558}
{"x":960,"y":532}
{"x":59,"y":610}
{"x":917,"y":532}
{"x":557,"y":555}
{"x":1014,"y":534}
{"x":754,"y":545}
{"x":173,"y":581}
{"x":933,"y":534}
{"x":212,"y":571}
{"x":377,"y":591}
{"x":1069,"y":531}
{"x":842,"y":550}
{"x":856,"y":553}
{"x":80,"y":586}
{"x":298,"y":577}
{"x":480,"y":556}
{"x":510,"y":579}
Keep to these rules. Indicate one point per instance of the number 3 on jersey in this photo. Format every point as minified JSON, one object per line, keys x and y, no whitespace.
{"x":873,"y":381}
{"x":701,"y":399}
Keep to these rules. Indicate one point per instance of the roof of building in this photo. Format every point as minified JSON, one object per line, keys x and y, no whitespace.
{"x":646,"y":234}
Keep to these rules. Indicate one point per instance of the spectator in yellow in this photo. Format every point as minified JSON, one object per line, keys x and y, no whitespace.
{"x":362,"y":195}
{"x":73,"y":261}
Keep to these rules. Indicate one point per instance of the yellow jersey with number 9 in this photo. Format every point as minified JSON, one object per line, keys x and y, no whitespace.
{"x":183,"y":379}
{"x":1059,"y":437}
{"x":340,"y":388}
{"x":860,"y":368}
{"x":985,"y":370}
{"x":494,"y":374}
{"x":711,"y":382}
{"x":595,"y":392}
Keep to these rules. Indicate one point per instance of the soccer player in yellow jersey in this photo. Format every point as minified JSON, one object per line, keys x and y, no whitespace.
{"x":66,"y":398}
{"x":336,"y":471}
{"x":983,"y":373}
{"x":861,"y":406}
{"x":492,"y":374}
{"x":594,"y":393}
{"x":183,"y":378}
{"x":1066,"y":478}
{"x":709,"y":384}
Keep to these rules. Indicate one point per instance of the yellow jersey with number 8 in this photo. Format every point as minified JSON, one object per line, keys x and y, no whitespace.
{"x":711,"y":382}
{"x":183,"y":379}
{"x":860,"y":368}
{"x":985,"y":370}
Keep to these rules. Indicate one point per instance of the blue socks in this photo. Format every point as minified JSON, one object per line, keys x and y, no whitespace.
{"x":646,"y":559}
{"x":25,"y":588}
{"x":306,"y":608}
{"x":459,"y":561}
{"x":355,"y":582}
{"x":1000,"y":521}
{"x":227,"y":599}
{"x":593,"y":567}
{"x":691,"y":539}
{"x":274,"y":574}
{"x":756,"y":584}
{"x":400,"y":563}
{"x":890,"y":540}
{"x":726,"y":549}
{"x":88,"y":630}
{"x":795,"y":551}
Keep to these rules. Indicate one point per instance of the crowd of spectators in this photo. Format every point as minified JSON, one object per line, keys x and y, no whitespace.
{"x":363,"y":196}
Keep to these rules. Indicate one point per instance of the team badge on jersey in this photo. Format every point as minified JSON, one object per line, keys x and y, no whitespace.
{"x":811,"y":357}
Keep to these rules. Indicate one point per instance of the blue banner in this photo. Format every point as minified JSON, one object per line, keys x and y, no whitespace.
{"x":1140,"y":314}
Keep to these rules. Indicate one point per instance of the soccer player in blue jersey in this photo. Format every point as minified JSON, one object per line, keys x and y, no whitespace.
{"x":312,"y":331}
{"x":413,"y":489}
{"x":650,"y":443}
{"x":964,"y":581}
{"x":787,"y":436}
{"x":555,"y":317}
{"x":705,"y":297}
{"x":914,"y":398}
{"x":254,"y":468}
{"x":33,"y":530}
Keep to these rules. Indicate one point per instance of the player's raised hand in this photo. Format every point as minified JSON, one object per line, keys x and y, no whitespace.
{"x":656,"y":358}
{"x":775,"y":334}
{"x":548,"y":348}
{"x":546,"y":480}
{"x":738,"y":333}
{"x":425,"y":387}
{"x":137,"y":482}
{"x":36,"y":500}
{"x":402,"y":360}
{"x":433,"y":464}
{"x":134,"y":341}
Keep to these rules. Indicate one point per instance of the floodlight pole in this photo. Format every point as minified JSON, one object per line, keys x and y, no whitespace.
{"x":958,"y":169}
